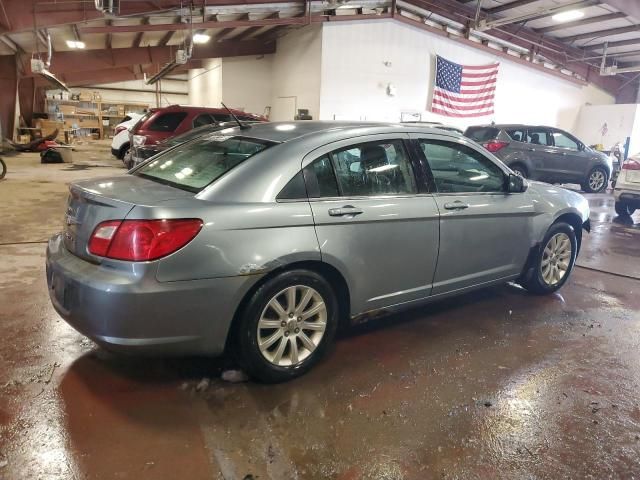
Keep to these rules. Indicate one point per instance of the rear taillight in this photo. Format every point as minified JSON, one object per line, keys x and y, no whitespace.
{"x":631,"y":165}
{"x":494,"y":145}
{"x":119,"y":129}
{"x":142,"y":240}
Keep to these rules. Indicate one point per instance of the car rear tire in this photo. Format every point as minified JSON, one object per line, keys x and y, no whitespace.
{"x":552,"y":264}
{"x":520,"y":170}
{"x":596,"y":181}
{"x":624,"y":209}
{"x":123,"y":151}
{"x":287,"y":326}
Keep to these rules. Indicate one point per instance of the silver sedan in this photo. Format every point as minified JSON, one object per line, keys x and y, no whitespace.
{"x":260,"y":240}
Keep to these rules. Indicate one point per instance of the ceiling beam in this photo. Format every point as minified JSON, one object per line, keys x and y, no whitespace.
{"x":619,"y":43}
{"x":167,"y":36}
{"x":508,"y":6}
{"x":251,"y":30}
{"x":164,"y":27}
{"x":15,"y":48}
{"x":109,"y":38}
{"x":601,"y":33}
{"x":581,"y":23}
{"x":92,"y":60}
{"x":138,"y":38}
{"x":537,"y":14}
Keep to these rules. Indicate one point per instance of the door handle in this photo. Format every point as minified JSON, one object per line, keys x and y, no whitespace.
{"x":347,"y":210}
{"x":564,"y":154}
{"x":457,"y":205}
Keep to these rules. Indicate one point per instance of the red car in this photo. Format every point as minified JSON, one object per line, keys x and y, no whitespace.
{"x":162,"y":123}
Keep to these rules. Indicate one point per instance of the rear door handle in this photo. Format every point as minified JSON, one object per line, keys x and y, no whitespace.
{"x":347,"y":210}
{"x":457,"y":205}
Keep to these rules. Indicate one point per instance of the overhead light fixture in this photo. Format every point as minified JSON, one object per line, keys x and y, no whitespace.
{"x":201,"y":38}
{"x":568,"y":15}
{"x":75,"y":44}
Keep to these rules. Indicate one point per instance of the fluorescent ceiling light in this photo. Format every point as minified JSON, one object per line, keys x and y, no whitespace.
{"x":568,"y":15}
{"x":201,"y":38}
{"x":75,"y":44}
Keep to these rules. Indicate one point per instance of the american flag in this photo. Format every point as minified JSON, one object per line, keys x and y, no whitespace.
{"x":462,"y":90}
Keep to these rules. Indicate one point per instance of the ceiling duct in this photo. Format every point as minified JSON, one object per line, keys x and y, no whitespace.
{"x":41,"y":67}
{"x":110,"y":7}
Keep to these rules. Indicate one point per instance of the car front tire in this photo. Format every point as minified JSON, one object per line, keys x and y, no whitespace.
{"x":596,"y":181}
{"x":624,"y":209}
{"x":553,"y":262}
{"x":287,"y":326}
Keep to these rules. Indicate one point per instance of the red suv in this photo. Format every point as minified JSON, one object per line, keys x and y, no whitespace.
{"x":162,"y":123}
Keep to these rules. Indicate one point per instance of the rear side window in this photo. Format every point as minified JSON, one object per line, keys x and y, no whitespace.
{"x":375,"y":168}
{"x":481,"y":134}
{"x":196,"y":164}
{"x":203,"y":119}
{"x":167,"y":122}
{"x":517,"y":134}
{"x":222,"y":117}
{"x":539,"y":136}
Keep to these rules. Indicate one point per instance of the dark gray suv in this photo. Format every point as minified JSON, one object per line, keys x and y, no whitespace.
{"x":545,"y":153}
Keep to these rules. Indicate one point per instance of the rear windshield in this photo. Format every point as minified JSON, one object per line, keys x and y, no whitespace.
{"x":190,"y":135}
{"x":481,"y":134}
{"x":167,"y":122}
{"x":196,"y":164}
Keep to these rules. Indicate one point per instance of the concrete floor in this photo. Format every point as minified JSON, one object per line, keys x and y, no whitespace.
{"x":495,"y":384}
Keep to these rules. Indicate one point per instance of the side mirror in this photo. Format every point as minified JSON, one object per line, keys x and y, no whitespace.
{"x":516,"y":184}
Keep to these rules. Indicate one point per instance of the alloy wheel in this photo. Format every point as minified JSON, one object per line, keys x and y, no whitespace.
{"x":556,"y":258}
{"x":596,"y":180}
{"x":292,"y":325}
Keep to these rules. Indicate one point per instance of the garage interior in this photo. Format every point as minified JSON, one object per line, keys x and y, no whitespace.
{"x":494,"y":383}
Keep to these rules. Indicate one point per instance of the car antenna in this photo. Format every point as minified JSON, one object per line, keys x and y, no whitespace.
{"x":240,"y":124}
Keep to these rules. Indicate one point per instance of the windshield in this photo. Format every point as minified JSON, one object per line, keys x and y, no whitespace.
{"x":194,"y":165}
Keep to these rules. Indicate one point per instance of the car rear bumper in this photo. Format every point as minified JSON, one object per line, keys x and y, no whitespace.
{"x":629,"y":197}
{"x":130,"y":311}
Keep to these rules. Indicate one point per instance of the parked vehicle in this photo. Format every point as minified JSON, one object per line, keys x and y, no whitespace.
{"x":627,"y":188}
{"x":162,"y":123}
{"x":547,"y":154}
{"x":141,"y":153}
{"x":261,"y":240}
{"x":120,"y":144}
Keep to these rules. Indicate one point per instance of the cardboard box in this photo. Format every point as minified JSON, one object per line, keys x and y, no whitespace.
{"x":22,"y":139}
{"x":86,"y":96}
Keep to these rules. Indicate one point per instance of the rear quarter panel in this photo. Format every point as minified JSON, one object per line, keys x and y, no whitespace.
{"x":237,"y":238}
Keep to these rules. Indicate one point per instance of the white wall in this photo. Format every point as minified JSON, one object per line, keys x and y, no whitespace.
{"x":205,"y":84}
{"x":247,"y":82}
{"x":355,"y":77}
{"x":297,"y":73}
{"x":622,"y":120}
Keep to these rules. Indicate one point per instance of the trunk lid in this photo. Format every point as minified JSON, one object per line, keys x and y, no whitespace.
{"x":91,"y":202}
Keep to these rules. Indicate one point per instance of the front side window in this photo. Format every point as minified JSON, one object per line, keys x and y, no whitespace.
{"x":374,"y":168}
{"x":194,"y":165}
{"x":539,"y":137}
{"x":562,"y":141}
{"x":167,"y":122}
{"x":457,"y":168}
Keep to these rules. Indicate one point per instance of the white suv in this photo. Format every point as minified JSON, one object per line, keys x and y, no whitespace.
{"x":627,"y":189}
{"x":120,"y":144}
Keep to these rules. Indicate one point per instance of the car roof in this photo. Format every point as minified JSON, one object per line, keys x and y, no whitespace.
{"x":287,"y":131}
{"x":193,"y":108}
{"x":513,"y":125}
